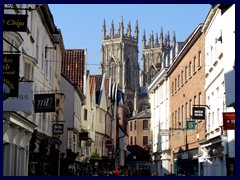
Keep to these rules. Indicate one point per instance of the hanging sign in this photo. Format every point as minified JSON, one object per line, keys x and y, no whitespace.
{"x":198,"y":113}
{"x":228,"y":120}
{"x":83,"y":136}
{"x":190,"y":125}
{"x":24,"y":100}
{"x":57,"y":128}
{"x":164,"y":132}
{"x":44,"y":103}
{"x":10,"y":75}
{"x":109,"y":144}
{"x":13,"y":22}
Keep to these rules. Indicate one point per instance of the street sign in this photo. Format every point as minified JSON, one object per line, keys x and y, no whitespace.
{"x":164,"y":132}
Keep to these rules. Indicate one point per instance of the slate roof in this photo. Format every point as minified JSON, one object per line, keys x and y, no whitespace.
{"x":142,"y":115}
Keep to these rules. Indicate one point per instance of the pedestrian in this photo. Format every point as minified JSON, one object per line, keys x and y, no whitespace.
{"x":116,"y":172}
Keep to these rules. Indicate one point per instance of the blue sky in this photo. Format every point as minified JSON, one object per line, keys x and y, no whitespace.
{"x":81,"y":24}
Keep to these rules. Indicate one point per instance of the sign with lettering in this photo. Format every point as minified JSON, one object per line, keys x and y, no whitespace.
{"x":57,"y":128}
{"x":109,"y":143}
{"x":10,"y":75}
{"x":164,"y":132}
{"x":228,"y":120}
{"x":44,"y":103}
{"x":198,"y":113}
{"x":13,"y":22}
{"x":24,"y":100}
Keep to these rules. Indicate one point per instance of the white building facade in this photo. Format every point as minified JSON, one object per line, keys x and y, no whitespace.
{"x":160,"y":123}
{"x":72,"y":122}
{"x":218,"y":151}
{"x":39,"y":50}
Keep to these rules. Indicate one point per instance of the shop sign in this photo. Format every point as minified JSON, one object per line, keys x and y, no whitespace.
{"x":164,"y":132}
{"x":13,"y":22}
{"x":44,"y":103}
{"x":198,"y":113}
{"x":24,"y":100}
{"x":190,"y":125}
{"x":83,"y":136}
{"x":57,"y":128}
{"x":109,"y":144}
{"x":10,"y":75}
{"x":228,"y":120}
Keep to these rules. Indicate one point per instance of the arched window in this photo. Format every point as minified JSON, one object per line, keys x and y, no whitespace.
{"x":112,"y":70}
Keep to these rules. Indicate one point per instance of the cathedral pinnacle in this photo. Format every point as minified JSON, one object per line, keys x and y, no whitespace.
{"x":136,"y":30}
{"x":144,"y":39}
{"x":129,"y":29}
{"x":104,"y":29}
{"x":112,"y":30}
{"x":174,"y":39}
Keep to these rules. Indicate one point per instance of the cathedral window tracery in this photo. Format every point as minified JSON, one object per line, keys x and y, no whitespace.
{"x":128,"y":73}
{"x":112,"y":70}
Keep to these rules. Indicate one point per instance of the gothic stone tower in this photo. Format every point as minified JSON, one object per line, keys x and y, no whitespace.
{"x":156,"y":55}
{"x":120,"y":59}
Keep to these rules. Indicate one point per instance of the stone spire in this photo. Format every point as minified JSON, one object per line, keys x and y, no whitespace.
{"x":144,"y":39}
{"x":174,"y":40}
{"x":161,"y":38}
{"x":121,"y":31}
{"x":136,"y":30}
{"x":151,"y":40}
{"x":156,"y":40}
{"x":112,"y":30}
{"x":104,"y":29}
{"x":129,"y":29}
{"x":168,"y":40}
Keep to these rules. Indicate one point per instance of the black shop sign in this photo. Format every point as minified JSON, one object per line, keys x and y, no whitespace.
{"x":10,"y":75}
{"x":57,"y":128}
{"x":44,"y":103}
{"x":12,"y":22}
{"x":198,"y":113}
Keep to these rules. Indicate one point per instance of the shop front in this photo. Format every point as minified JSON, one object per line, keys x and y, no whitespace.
{"x":186,"y":163}
{"x":43,"y":155}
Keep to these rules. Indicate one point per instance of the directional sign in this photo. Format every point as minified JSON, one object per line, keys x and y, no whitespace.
{"x":190,"y":125}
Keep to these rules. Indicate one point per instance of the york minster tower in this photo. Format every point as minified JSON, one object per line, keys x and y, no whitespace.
{"x":119,"y":59}
{"x":156,"y":55}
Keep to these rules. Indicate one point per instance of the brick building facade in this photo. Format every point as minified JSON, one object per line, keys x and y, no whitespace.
{"x":186,"y":80}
